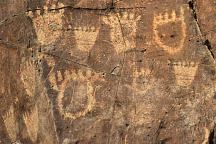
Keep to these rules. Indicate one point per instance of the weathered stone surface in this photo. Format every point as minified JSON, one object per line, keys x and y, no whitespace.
{"x":146,"y":4}
{"x":205,"y":15}
{"x":102,"y":72}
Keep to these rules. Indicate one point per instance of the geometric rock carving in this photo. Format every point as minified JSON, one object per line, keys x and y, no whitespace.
{"x":167,"y":20}
{"x":31,"y":121}
{"x":11,"y":124}
{"x":48,"y":24}
{"x":184,"y":72}
{"x":84,"y":80}
{"x":85,"y":37}
{"x":123,"y":30}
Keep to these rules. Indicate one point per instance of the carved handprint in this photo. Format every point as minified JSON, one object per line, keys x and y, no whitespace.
{"x":11,"y":123}
{"x":124,"y":22}
{"x":145,"y":75}
{"x":31,"y":120}
{"x":47,"y":23}
{"x":82,"y":82}
{"x":165,"y":34}
{"x":28,"y":77}
{"x":129,"y":24}
{"x":184,"y":72}
{"x":116,"y":34}
{"x":143,"y":81}
{"x":85,"y":37}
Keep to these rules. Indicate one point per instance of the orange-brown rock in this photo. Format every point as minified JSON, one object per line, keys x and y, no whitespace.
{"x":107,"y":71}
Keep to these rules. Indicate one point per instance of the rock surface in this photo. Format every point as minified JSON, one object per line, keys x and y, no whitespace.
{"x":107,"y":71}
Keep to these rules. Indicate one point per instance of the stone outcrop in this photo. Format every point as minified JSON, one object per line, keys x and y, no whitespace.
{"x":107,"y":71}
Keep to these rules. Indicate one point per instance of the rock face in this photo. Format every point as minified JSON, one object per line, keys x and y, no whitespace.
{"x":107,"y":71}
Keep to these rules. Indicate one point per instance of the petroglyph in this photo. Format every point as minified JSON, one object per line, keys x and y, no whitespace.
{"x":142,"y":114}
{"x":2,"y":87}
{"x":84,"y":86}
{"x":184,"y":72}
{"x":142,"y":82}
{"x":206,"y":139}
{"x":11,"y":124}
{"x":129,"y":24}
{"x":28,"y":77}
{"x":122,"y":22}
{"x":85,"y":37}
{"x":31,"y":121}
{"x":168,"y":21}
{"x":47,"y":23}
{"x":189,"y":112}
{"x":115,"y":34}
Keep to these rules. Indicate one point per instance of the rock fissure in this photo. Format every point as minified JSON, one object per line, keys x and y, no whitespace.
{"x":206,"y":42}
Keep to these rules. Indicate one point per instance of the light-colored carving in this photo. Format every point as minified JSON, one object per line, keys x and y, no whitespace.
{"x":11,"y":123}
{"x":166,"y":19}
{"x":144,"y":74}
{"x":206,"y":138}
{"x":184,"y":72}
{"x":189,"y":113}
{"x":129,"y":24}
{"x":53,"y":81}
{"x":59,"y":75}
{"x":143,"y":112}
{"x":85,"y":37}
{"x":2,"y":88}
{"x":31,"y":121}
{"x":28,"y":77}
{"x":116,"y":33}
{"x":87,"y":78}
{"x":119,"y":23}
{"x":48,"y":25}
{"x":50,"y":61}
{"x":66,"y":141}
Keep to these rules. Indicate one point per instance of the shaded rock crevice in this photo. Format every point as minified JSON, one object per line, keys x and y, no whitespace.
{"x":206,"y":42}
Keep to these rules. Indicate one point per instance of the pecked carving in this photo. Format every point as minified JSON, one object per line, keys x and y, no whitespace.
{"x":123,"y":30}
{"x":184,"y":72}
{"x":47,"y":23}
{"x":31,"y":121}
{"x":129,"y":24}
{"x":145,"y":75}
{"x":11,"y":124}
{"x":141,"y":83}
{"x":84,"y":80}
{"x":85,"y":37}
{"x":28,"y":77}
{"x":167,"y":21}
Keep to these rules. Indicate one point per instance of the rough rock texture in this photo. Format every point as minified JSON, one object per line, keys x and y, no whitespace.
{"x":107,"y":71}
